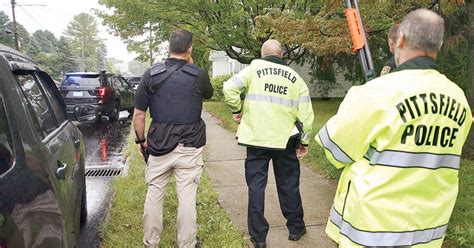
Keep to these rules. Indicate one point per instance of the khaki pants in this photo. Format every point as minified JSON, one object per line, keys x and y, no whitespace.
{"x":187,"y":164}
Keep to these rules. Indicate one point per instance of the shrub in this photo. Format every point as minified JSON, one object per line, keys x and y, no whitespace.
{"x":218,"y":85}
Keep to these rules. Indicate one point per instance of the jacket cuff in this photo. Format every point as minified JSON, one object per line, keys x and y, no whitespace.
{"x":237,"y":112}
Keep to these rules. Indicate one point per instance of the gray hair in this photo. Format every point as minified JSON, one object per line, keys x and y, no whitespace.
{"x":423,"y":30}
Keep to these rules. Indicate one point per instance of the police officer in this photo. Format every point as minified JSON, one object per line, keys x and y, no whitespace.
{"x":275,"y":99}
{"x":399,"y":138}
{"x":173,"y":92}
{"x":392,"y":39}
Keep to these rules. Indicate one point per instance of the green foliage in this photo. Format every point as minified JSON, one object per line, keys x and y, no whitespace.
{"x":86,"y":45}
{"x":218,"y":85}
{"x":453,"y":60}
{"x":6,"y":30}
{"x":44,"y":40}
{"x":314,"y":32}
{"x":461,"y":225}
{"x":137,"y":68}
{"x":124,"y":226}
{"x":64,"y":57}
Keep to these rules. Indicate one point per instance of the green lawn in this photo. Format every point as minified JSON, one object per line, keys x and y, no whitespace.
{"x":124,"y":225}
{"x":461,"y":226}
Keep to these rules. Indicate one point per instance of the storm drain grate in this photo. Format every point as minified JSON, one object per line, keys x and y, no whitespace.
{"x":103,"y":172}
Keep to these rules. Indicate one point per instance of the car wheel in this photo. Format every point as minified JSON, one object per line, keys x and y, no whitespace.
{"x":114,"y":115}
{"x":84,"y":207}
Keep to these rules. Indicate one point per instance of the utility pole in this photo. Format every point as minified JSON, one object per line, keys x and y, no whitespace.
{"x":15,"y":31}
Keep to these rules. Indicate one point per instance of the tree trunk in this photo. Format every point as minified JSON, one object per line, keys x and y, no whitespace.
{"x":469,"y":147}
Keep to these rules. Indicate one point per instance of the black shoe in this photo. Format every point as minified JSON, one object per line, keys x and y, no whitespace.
{"x":296,"y":237}
{"x":258,"y":245}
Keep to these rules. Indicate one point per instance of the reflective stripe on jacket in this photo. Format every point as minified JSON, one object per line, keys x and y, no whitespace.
{"x":275,"y":98}
{"x":399,"y":139}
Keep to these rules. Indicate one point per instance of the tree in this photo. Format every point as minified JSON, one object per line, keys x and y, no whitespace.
{"x":136,"y":67}
{"x":46,"y":40}
{"x":41,"y":41}
{"x":83,"y":34}
{"x":101,"y":53}
{"x":6,"y":32}
{"x":112,"y":64}
{"x":64,"y":56}
{"x":470,"y":85}
{"x":313,"y":32}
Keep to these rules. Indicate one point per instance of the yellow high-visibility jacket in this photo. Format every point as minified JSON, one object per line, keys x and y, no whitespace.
{"x":275,"y":98}
{"x":399,"y":139}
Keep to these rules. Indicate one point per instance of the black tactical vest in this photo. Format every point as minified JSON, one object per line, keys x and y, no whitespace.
{"x":178,"y":99}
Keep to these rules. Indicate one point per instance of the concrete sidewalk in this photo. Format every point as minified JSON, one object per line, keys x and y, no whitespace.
{"x":224,"y":161}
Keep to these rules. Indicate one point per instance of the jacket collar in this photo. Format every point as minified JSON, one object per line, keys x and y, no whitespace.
{"x":418,"y":63}
{"x":175,"y":60}
{"x":274,"y":59}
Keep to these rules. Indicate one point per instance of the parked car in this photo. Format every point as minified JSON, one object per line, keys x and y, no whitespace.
{"x":99,"y":94}
{"x":134,"y":81}
{"x":42,"y":182}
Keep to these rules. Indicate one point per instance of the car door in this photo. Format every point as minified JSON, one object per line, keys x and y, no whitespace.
{"x":60,"y":143}
{"x":71,"y":134}
{"x":30,"y":215}
{"x":126,"y":92}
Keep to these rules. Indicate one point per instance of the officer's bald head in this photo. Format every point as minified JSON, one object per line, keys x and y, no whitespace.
{"x":271,"y":47}
{"x":423,"y":30}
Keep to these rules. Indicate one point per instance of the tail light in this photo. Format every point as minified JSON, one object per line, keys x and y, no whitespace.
{"x":101,"y":92}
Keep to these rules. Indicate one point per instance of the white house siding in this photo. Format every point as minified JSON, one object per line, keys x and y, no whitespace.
{"x":223,"y":65}
{"x":339,"y":90}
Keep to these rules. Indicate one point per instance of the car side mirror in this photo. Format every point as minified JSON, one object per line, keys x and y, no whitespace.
{"x":85,"y":114}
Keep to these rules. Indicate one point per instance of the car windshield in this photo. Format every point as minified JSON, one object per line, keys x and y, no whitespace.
{"x":81,"y":80}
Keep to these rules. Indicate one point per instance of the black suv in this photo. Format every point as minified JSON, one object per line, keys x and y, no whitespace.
{"x":42,"y":182}
{"x":99,"y":94}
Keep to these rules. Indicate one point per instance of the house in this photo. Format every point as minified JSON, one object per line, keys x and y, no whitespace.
{"x":223,"y":65}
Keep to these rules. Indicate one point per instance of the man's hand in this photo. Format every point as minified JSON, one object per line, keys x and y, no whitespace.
{"x":237,"y":117}
{"x":301,"y":151}
{"x":141,"y":148}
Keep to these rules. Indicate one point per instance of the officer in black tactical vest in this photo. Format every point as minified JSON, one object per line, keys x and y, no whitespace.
{"x":173,"y":92}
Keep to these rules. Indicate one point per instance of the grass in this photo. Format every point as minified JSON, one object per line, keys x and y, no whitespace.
{"x":124,"y":225}
{"x":461,"y":226}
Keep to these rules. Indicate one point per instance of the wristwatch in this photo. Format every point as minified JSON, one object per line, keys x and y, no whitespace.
{"x":139,"y":141}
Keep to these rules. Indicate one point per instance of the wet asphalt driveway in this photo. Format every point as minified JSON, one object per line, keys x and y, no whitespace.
{"x":104,"y":143}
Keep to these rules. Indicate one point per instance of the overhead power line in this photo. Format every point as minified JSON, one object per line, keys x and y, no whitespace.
{"x":15,"y":30}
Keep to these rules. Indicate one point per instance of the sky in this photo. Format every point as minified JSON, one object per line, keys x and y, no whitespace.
{"x":56,"y":14}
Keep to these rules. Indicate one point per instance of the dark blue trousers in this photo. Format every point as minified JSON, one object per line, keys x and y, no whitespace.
{"x":287,"y":174}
